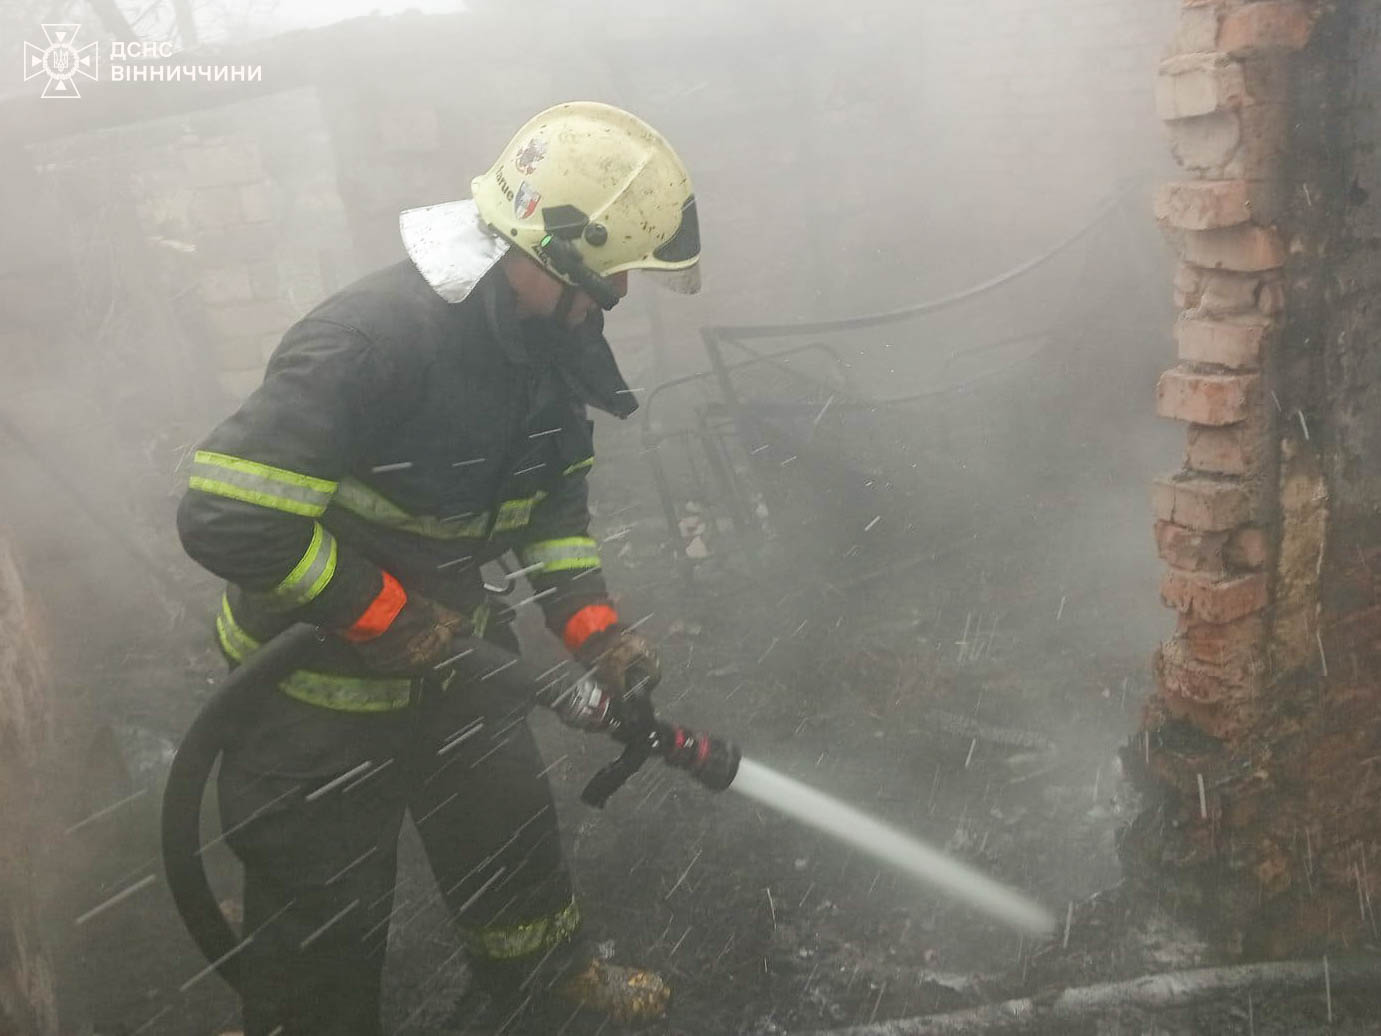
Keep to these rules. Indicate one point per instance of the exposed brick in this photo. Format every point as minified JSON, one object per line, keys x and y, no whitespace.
{"x":1263,"y":26}
{"x":1234,"y":449}
{"x":1236,"y":646}
{"x":1203,"y":204}
{"x":1210,"y":598}
{"x":1163,"y":491}
{"x":1199,"y":502}
{"x":1246,"y":248}
{"x":1205,"y":143}
{"x":1197,"y":84}
{"x":1247,"y":548}
{"x":1270,"y":298}
{"x":1189,"y":286}
{"x":1181,"y":676}
{"x":226,"y":284}
{"x":1215,"y":399}
{"x":1246,"y":143}
{"x":1190,"y":549}
{"x":1196,"y":31}
{"x":1228,"y":293}
{"x":1191,"y":683}
{"x":1226,"y":343}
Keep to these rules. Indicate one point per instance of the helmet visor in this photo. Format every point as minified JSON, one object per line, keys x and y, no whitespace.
{"x":685,"y":281}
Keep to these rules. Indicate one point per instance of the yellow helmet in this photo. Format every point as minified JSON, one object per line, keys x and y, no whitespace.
{"x":589,"y":190}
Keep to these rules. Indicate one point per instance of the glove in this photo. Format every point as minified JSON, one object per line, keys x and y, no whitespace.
{"x":587,"y":706}
{"x":624,"y":661}
{"x":419,"y":638}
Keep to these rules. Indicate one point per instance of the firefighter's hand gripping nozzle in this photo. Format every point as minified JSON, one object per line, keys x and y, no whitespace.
{"x":711,"y":760}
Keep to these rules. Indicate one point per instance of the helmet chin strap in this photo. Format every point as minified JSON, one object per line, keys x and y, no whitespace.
{"x":566,"y":260}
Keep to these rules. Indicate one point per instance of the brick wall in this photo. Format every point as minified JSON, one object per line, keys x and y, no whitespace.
{"x":248,"y":191}
{"x":231,"y":218}
{"x":1334,"y":379}
{"x":1261,"y":741}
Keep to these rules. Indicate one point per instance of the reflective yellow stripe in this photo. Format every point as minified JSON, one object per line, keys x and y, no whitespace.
{"x":505,"y":942}
{"x":514,"y":514}
{"x":327,"y":690}
{"x":311,"y":575}
{"x":347,"y":693}
{"x":361,"y":500}
{"x":234,"y":641}
{"x":479,"y":618}
{"x":580,"y":465}
{"x":561,"y":555}
{"x":261,"y":484}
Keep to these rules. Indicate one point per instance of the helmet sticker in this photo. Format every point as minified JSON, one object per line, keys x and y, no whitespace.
{"x":527,"y":159}
{"x":525,"y":201}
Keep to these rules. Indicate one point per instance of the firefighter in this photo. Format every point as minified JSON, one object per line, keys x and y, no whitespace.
{"x":424,"y":420}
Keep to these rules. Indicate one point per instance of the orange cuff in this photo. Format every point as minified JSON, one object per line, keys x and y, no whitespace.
{"x":380,"y":613}
{"x":584,"y":624}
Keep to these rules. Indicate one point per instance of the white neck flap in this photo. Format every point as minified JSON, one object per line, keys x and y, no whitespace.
{"x":450,"y":246}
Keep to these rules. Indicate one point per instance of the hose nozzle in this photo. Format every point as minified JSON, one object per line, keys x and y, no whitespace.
{"x":710,"y":760}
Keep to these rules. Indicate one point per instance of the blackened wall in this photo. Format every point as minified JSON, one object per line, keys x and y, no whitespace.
{"x":1340,"y":165}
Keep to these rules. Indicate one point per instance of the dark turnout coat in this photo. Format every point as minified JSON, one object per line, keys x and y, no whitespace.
{"x":397,"y":431}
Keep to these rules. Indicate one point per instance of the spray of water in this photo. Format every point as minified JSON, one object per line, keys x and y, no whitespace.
{"x":887,"y":844}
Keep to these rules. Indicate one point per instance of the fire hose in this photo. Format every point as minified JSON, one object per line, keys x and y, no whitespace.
{"x":710,"y":760}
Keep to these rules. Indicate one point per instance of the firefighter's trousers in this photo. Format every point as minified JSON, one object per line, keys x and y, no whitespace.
{"x":312,"y":801}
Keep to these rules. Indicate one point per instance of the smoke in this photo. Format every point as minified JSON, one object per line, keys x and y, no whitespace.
{"x":947,"y":513}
